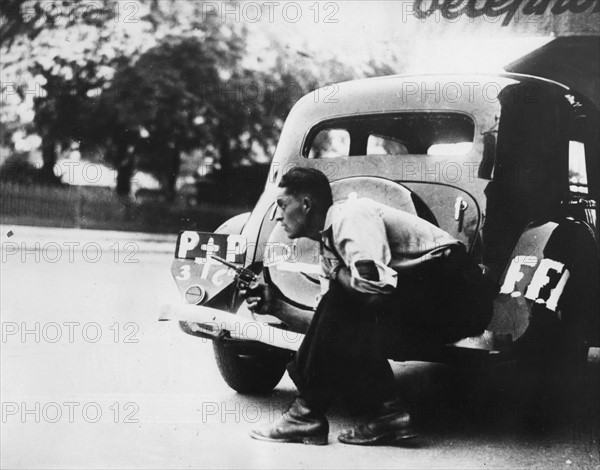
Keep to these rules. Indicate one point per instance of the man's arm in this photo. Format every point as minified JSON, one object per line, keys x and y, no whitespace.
{"x":262,"y":301}
{"x":360,"y":238}
{"x":371,"y":301}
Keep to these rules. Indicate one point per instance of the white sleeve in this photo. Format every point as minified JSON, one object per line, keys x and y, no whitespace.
{"x":359,"y":234}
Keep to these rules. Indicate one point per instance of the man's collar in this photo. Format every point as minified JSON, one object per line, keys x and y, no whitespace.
{"x":328,"y":221}
{"x":331,"y":211}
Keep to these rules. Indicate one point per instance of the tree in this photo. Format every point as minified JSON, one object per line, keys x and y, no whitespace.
{"x":189,"y":93}
{"x":195,"y":92}
{"x":62,"y":111}
{"x":156,"y":106}
{"x":153,"y":108}
{"x":178,"y":81}
{"x":26,"y":19}
{"x":63,"y":52}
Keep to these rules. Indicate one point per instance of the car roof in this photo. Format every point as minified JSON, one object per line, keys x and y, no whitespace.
{"x":475,"y":95}
{"x":456,"y":92}
{"x":472,"y":94}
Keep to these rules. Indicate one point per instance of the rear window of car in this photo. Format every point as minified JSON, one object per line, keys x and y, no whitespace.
{"x":417,"y":133}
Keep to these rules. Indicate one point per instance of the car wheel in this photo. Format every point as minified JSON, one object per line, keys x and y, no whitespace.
{"x":250,"y":372}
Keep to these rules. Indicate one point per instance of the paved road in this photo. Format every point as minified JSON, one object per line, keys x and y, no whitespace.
{"x":89,"y":379}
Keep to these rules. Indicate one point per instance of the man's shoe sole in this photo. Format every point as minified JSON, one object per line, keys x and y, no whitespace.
{"x":378,"y":440}
{"x":309,"y":440}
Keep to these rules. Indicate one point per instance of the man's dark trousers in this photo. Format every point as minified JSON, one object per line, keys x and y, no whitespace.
{"x":345,"y":350}
{"x":341,"y":355}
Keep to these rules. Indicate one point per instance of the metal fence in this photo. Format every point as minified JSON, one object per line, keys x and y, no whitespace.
{"x":101,"y":208}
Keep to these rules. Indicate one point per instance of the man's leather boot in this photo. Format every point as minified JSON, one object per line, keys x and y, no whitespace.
{"x":300,"y":423}
{"x":392,"y":423}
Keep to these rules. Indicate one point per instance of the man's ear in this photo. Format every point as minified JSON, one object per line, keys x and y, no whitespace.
{"x":307,"y":203}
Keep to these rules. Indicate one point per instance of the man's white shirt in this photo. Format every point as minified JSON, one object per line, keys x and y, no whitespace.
{"x":364,"y":229}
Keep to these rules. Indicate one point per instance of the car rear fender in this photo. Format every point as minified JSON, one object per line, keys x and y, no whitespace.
{"x":235,"y":225}
{"x":551,"y":278}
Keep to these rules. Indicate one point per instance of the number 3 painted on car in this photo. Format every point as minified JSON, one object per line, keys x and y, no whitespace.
{"x":184,"y":274}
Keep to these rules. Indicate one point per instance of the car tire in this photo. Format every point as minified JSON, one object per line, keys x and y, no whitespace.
{"x":249,"y":372}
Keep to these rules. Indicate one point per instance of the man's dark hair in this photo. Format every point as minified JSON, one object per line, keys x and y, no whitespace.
{"x":299,"y":181}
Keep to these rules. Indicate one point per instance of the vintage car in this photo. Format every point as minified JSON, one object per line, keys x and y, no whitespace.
{"x":507,"y":164}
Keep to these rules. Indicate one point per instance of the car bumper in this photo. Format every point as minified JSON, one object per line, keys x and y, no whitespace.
{"x":212,"y":323}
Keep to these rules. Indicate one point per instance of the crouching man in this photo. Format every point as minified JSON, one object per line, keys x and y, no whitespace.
{"x":393,"y":284}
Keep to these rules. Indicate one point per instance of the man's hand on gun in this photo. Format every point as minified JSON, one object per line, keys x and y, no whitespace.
{"x":259,"y":298}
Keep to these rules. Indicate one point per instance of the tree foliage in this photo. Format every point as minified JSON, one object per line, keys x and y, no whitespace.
{"x":191,"y":93}
{"x":63,"y":110}
{"x":26,"y":19}
{"x":175,"y":81}
{"x":159,"y":105}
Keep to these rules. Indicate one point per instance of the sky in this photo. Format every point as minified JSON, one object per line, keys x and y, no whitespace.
{"x":359,"y":29}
